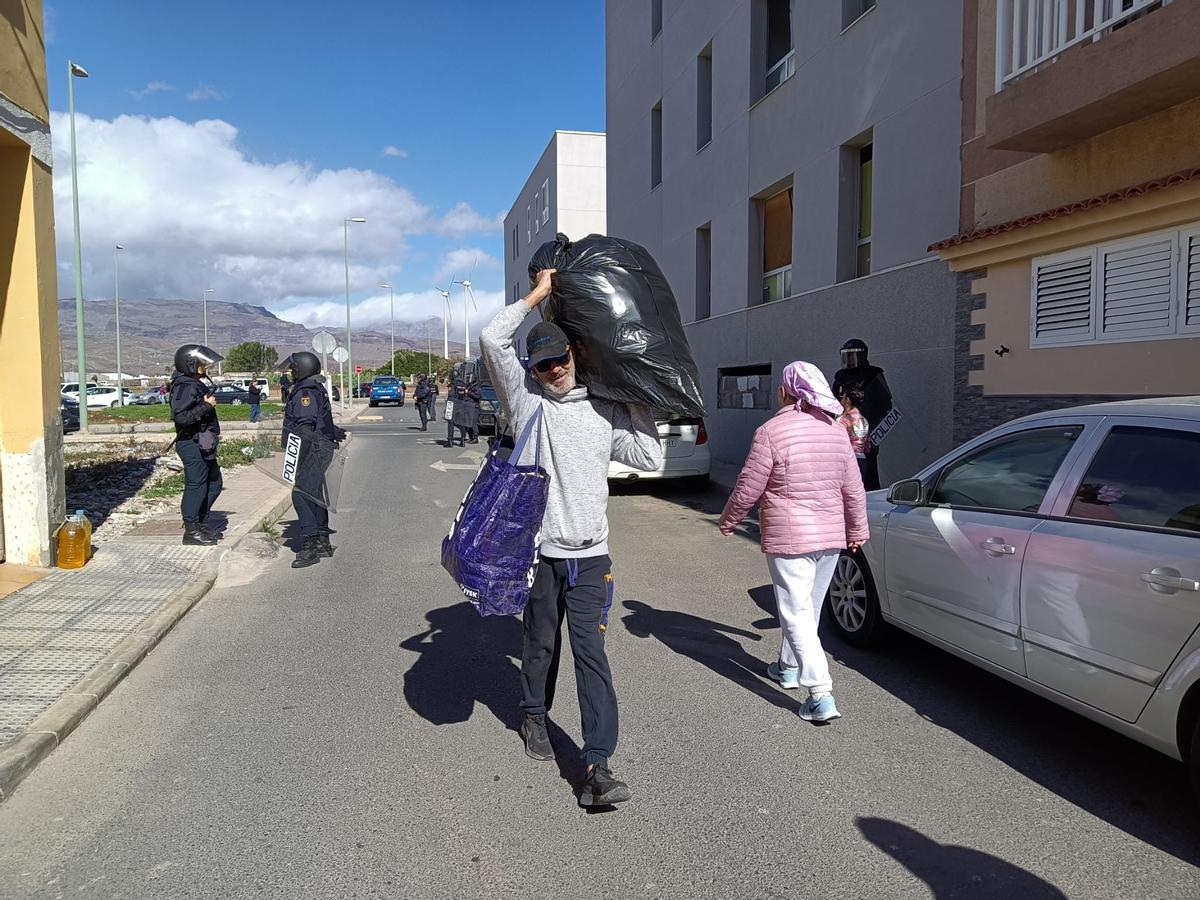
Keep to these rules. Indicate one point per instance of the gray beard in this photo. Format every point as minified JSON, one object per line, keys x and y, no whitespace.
{"x":569,"y":386}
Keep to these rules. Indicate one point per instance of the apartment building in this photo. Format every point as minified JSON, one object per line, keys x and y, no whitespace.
{"x":565,"y":193}
{"x":31,"y":449}
{"x":1078,"y":250}
{"x":789,"y":165}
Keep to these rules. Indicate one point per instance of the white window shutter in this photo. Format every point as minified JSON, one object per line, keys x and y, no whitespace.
{"x":1189,"y":282}
{"x":1137,"y":289}
{"x":1062,"y":300}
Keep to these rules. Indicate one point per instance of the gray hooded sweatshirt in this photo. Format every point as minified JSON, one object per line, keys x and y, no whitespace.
{"x":580,"y":434}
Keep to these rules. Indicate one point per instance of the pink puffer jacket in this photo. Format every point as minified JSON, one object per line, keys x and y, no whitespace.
{"x":802,"y":472}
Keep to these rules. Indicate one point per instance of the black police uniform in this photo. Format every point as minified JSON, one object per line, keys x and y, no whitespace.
{"x":193,"y":418}
{"x":308,"y":412}
{"x":877,"y":403}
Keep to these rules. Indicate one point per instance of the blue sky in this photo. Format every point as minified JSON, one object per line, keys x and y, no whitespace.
{"x":222,"y":143}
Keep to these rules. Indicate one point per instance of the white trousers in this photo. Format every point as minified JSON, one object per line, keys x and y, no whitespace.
{"x":800,"y":586}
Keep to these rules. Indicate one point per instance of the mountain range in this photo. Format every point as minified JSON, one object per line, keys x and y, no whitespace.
{"x":151,"y":330}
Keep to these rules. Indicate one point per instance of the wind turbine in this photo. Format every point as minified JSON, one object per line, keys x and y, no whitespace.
{"x":467,"y":292}
{"x":445,"y":322}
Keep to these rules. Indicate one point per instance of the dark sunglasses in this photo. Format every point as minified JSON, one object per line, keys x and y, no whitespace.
{"x":546,"y":365}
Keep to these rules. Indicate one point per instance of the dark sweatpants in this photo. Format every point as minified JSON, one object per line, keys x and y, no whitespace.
{"x":201,"y":481}
{"x":582,"y":589}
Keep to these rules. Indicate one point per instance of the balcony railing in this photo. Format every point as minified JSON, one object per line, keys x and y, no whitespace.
{"x":1031,"y":33}
{"x":781,"y":71}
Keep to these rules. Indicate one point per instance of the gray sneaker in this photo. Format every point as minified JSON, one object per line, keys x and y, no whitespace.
{"x":537,"y":738}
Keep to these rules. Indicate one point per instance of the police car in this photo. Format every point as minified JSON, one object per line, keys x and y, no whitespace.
{"x":387,"y":389}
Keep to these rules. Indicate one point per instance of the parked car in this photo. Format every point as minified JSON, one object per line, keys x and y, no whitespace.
{"x":386,"y":389}
{"x":231,"y":393}
{"x":490,"y":415}
{"x":100,"y":396}
{"x":151,"y":397}
{"x":1061,"y":552}
{"x":68,"y":410}
{"x":685,"y":453}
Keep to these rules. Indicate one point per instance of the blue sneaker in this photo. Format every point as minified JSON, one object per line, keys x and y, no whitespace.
{"x":822,"y":710}
{"x":787,"y":678}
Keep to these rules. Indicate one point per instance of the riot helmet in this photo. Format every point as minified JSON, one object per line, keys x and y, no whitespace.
{"x":190,"y":357}
{"x":854,"y":354}
{"x":302,"y":364}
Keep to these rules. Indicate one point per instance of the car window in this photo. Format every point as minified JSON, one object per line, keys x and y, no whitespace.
{"x":1010,"y":473}
{"x":1143,"y":476}
{"x":387,"y":381}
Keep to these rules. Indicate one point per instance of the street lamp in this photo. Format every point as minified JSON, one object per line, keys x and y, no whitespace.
{"x":346,"y":259}
{"x":117,"y":248}
{"x":392,"y":322}
{"x":76,"y":71}
{"x":206,"y":293}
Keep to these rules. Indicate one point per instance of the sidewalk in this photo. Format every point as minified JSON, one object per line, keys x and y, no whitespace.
{"x":68,"y":638}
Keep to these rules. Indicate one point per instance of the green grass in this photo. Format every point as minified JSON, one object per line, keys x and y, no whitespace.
{"x":161,"y":412}
{"x":230,"y":454}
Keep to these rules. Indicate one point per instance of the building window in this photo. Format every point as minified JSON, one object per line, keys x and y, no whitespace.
{"x":545,"y":201}
{"x":656,"y":145}
{"x":1142,"y":288}
{"x":528,"y":224}
{"x":777,"y":246}
{"x":863,"y":208}
{"x":744,"y":387}
{"x":655,"y":19}
{"x":853,"y":10}
{"x":704,"y":272}
{"x":537,"y":212}
{"x":704,"y":98}
{"x":781,"y":55}
{"x":515,"y":243}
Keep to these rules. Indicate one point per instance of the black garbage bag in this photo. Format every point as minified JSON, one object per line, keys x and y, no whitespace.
{"x":615,"y":305}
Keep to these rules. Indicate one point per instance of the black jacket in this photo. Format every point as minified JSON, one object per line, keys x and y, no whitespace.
{"x":877,"y":396}
{"x":308,"y":411}
{"x":188,"y":409}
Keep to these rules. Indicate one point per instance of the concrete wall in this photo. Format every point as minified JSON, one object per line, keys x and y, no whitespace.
{"x":906,"y":316}
{"x":23,"y":56}
{"x":892,"y":73}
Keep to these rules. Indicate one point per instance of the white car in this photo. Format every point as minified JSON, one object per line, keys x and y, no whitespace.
{"x":101,"y":396}
{"x":685,"y":453}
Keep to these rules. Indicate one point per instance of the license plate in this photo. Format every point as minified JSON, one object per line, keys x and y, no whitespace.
{"x":670,"y":442}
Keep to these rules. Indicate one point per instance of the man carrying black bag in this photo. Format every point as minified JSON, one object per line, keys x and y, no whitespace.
{"x":581,"y":434}
{"x":309,"y":416}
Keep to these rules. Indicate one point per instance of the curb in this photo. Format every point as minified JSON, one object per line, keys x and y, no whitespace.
{"x":21,"y":756}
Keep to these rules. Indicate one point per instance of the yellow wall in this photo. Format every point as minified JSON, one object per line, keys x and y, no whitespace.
{"x":23,"y":56}
{"x":1150,"y":368}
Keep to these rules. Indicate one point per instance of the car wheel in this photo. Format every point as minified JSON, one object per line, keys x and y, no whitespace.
{"x":852,"y":601}
{"x":1193,"y":759}
{"x":237,"y":401}
{"x":372,"y":404}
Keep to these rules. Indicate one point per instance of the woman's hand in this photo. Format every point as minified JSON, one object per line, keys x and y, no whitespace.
{"x":854,"y":546}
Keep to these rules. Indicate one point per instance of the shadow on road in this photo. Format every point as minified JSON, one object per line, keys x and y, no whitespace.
{"x":707,"y":499}
{"x":952,"y":871}
{"x":764,"y":598}
{"x":1132,"y":787}
{"x":708,"y":643}
{"x":466,"y":659}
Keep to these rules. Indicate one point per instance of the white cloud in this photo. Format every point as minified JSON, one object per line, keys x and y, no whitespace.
{"x":205,"y":92}
{"x":393,"y":150}
{"x":412,"y":309}
{"x":463,"y":220}
{"x":50,"y":17}
{"x":459,"y":263}
{"x":195,"y":212}
{"x":154,"y":87}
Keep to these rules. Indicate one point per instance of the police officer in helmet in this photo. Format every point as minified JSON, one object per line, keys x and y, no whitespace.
{"x":197,"y":433}
{"x":857,"y":371}
{"x":309,"y":415}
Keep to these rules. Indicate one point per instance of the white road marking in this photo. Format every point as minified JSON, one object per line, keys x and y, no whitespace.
{"x":446,"y":467}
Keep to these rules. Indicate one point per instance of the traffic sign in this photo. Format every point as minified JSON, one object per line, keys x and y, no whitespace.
{"x":324,"y":342}
{"x":340,"y":354}
{"x":358,"y":370}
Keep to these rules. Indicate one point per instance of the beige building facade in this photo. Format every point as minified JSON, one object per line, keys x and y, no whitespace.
{"x":31,"y":447}
{"x":1079,"y":235}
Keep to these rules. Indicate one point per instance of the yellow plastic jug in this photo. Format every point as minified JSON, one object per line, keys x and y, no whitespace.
{"x":81,"y":515}
{"x":72,"y":544}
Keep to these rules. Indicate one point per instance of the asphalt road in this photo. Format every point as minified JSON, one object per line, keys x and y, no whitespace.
{"x":346,"y":731}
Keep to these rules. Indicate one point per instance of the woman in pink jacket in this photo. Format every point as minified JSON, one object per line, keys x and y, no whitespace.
{"x":803,"y":475}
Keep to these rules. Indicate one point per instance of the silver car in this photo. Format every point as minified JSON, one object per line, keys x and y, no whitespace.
{"x":1061,"y":552}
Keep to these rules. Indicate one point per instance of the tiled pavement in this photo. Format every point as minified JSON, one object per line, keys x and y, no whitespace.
{"x":54,"y":631}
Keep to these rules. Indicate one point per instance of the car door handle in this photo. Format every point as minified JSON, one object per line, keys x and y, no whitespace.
{"x":998,"y":547}
{"x":1168,"y":581}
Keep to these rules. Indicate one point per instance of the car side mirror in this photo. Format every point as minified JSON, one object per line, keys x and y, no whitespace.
{"x":910,"y":492}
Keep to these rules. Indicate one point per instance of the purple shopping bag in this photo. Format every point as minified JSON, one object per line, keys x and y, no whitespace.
{"x":492,"y":549}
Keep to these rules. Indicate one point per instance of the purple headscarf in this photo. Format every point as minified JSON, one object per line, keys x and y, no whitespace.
{"x":805,"y":382}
